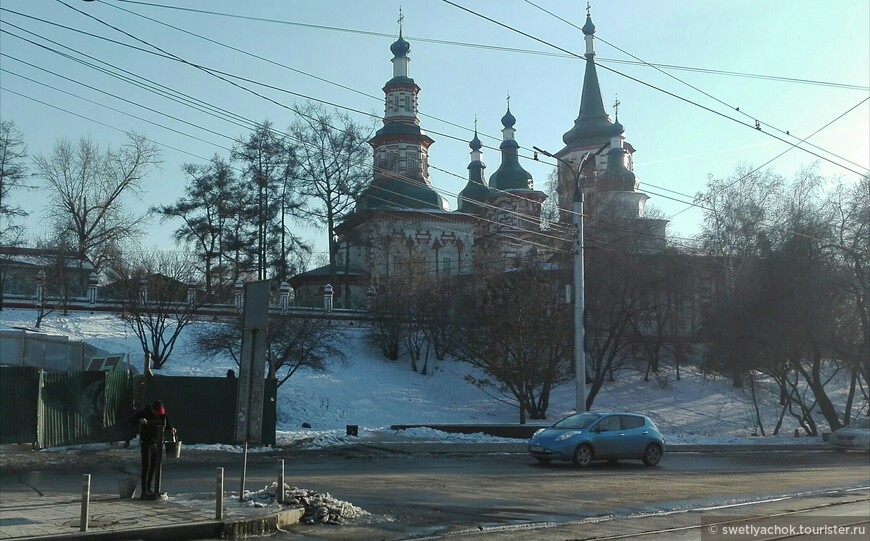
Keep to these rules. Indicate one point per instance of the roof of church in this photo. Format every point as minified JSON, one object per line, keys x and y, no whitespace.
{"x":592,"y":124}
{"x":391,"y":189}
{"x":475,"y":190}
{"x":400,"y":193}
{"x":510,"y":175}
{"x":400,"y":47}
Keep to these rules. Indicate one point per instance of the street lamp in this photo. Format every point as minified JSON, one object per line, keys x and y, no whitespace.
{"x":578,"y":276}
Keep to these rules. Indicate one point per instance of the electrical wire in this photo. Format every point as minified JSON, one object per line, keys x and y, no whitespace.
{"x":280,"y":89}
{"x":650,"y":85}
{"x":693,"y":87}
{"x":499,"y":48}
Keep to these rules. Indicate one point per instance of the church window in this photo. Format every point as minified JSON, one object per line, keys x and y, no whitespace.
{"x":446,"y":266}
{"x":407,"y":102}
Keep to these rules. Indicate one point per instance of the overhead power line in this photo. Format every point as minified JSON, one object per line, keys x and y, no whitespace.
{"x":649,"y":85}
{"x":499,"y":48}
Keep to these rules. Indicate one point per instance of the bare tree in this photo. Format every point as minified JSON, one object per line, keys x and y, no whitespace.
{"x":13,"y":171}
{"x":334,"y":167}
{"x":734,"y":233}
{"x":291,"y":344}
{"x":157,"y":298}
{"x":849,"y":247}
{"x":518,"y":334}
{"x":87,"y":191}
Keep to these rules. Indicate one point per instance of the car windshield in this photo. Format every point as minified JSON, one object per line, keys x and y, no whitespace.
{"x":581,"y":420}
{"x":863,"y":422}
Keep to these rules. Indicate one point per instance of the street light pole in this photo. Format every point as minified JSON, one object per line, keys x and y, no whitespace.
{"x":578,"y":277}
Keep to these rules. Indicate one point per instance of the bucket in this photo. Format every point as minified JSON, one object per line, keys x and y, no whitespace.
{"x":173,"y":449}
{"x":126,"y":488}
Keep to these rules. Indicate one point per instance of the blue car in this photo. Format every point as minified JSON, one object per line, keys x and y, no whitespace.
{"x":584,"y":437}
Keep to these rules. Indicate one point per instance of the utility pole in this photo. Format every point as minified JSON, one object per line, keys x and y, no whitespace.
{"x":578,"y":277}
{"x":579,"y":280}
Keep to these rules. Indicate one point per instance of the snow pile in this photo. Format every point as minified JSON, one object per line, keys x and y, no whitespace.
{"x":319,"y":508}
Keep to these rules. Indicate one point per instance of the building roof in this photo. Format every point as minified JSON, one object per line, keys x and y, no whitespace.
{"x":592,"y":124}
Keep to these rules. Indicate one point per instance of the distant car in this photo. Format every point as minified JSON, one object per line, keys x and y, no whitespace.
{"x":855,"y":435}
{"x":584,"y":437}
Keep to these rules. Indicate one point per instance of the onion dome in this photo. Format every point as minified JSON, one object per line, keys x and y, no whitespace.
{"x":508,"y":119}
{"x":510,"y":175}
{"x":589,"y":27}
{"x":475,"y":190}
{"x":400,"y":47}
{"x":475,"y":143}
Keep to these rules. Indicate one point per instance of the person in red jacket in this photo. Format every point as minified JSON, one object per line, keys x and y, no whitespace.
{"x":152,"y":421}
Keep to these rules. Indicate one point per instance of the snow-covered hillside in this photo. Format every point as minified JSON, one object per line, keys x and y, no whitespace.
{"x":374,"y":393}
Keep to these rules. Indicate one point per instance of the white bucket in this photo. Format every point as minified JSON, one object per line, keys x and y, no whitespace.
{"x":126,"y":488}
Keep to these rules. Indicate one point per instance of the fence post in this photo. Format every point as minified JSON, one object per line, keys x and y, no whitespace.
{"x":281,"y":481}
{"x":86,"y":497}
{"x":219,"y":496}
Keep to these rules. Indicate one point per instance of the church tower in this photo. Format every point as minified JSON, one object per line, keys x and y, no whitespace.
{"x":401,"y":147}
{"x":609,"y":184}
{"x":511,"y":219}
{"x":475,"y":190}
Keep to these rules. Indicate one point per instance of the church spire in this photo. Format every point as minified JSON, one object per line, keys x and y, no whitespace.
{"x":510,"y":175}
{"x":592,"y":122}
{"x":401,"y":147}
{"x":476,"y":189}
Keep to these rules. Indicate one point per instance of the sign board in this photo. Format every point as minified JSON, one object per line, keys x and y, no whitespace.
{"x":252,"y":362}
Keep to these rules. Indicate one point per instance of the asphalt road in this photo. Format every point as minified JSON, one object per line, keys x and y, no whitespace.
{"x":418,"y":495}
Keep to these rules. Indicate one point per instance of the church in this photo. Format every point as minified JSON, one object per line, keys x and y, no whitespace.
{"x":402,"y":226}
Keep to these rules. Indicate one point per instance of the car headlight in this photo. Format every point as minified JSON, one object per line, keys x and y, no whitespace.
{"x":568,"y":435}
{"x":538,"y":431}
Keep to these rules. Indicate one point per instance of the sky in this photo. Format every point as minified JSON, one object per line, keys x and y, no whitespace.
{"x":796,"y":67}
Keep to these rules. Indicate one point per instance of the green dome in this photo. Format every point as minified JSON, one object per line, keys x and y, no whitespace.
{"x":399,"y":193}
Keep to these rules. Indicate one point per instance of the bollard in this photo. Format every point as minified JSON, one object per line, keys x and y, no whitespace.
{"x":86,"y":497}
{"x":281,"y":482}
{"x":219,"y":496}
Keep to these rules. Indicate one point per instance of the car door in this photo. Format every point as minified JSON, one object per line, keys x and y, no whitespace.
{"x":635,"y":435}
{"x":608,"y":437}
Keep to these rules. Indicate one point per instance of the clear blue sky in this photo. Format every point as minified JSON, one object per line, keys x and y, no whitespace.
{"x":824,"y":45}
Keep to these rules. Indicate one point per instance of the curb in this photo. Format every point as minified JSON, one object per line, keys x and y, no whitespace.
{"x":264,"y":525}
{"x":522,"y":448}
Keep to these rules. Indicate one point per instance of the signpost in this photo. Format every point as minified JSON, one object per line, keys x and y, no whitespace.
{"x":252,"y":362}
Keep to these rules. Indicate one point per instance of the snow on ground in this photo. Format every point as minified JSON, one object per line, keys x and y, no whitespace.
{"x":374,"y":393}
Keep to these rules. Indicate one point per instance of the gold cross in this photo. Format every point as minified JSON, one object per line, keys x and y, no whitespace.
{"x":616,"y":106}
{"x":401,"y":20}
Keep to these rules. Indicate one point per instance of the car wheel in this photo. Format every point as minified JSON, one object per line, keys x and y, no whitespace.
{"x":544,"y":461}
{"x":652,"y":455}
{"x":583,"y":455}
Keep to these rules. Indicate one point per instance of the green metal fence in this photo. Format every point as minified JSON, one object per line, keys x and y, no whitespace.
{"x":203,"y":410}
{"x":19,"y":402}
{"x":71,"y":408}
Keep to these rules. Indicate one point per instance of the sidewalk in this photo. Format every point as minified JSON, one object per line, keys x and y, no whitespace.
{"x":181,"y":517}
{"x":192,"y":515}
